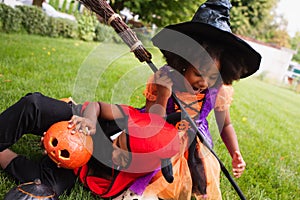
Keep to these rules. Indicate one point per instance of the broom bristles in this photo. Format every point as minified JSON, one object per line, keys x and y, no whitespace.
{"x":103,"y":9}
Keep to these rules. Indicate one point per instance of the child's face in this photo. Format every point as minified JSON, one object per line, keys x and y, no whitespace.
{"x":197,"y":80}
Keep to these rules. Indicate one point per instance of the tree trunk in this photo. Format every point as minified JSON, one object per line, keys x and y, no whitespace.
{"x":37,"y":3}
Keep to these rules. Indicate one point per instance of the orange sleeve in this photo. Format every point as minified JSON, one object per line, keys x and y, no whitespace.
{"x":150,"y":91}
{"x":224,"y":98}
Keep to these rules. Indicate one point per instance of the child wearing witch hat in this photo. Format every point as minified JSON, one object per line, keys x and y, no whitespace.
{"x":202,"y":56}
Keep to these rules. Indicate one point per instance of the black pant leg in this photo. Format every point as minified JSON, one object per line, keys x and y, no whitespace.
{"x":33,"y":113}
{"x":25,"y":170}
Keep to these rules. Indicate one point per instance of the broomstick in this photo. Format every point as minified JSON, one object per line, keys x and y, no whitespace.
{"x":103,"y":9}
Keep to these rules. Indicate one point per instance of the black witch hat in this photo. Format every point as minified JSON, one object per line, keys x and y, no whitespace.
{"x":211,"y":22}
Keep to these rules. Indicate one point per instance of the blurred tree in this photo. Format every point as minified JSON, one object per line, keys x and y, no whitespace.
{"x":258,"y":19}
{"x":295,"y":43}
{"x":280,"y":38}
{"x":249,"y":16}
{"x":252,"y":18}
{"x":161,"y":12}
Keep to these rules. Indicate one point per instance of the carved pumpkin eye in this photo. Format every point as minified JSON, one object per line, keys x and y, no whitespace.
{"x":53,"y":141}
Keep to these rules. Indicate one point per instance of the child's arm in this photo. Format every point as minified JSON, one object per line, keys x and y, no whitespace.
{"x":228,"y":135}
{"x":229,"y":138}
{"x":87,"y":123}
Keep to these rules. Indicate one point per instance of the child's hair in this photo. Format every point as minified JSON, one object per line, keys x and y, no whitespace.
{"x":210,"y":52}
{"x":234,"y":66}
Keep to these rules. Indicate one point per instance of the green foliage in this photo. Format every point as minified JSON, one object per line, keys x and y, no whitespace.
{"x":51,"y":2}
{"x":258,"y":19}
{"x":86,"y":26}
{"x":34,"y":20}
{"x":72,"y":7}
{"x":10,"y":19}
{"x":297,"y":57}
{"x":64,"y":6}
{"x":246,"y":15}
{"x":90,"y":29}
{"x":56,"y":4}
{"x":295,"y":43}
{"x":62,"y":28}
{"x":251,"y":18}
{"x":104,"y":33}
{"x":162,"y":12}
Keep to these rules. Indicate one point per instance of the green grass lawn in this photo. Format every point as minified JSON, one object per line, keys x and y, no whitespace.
{"x":266,"y":119}
{"x":265,"y":116}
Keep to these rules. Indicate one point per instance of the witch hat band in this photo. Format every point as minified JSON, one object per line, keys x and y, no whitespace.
{"x":212,"y":22}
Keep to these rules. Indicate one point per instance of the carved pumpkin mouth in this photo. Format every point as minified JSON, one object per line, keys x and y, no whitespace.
{"x":64,"y":154}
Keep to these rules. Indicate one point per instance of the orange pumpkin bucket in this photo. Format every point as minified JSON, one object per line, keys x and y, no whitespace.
{"x":66,"y":149}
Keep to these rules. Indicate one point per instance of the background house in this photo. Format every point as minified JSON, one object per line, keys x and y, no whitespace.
{"x":275,"y":63}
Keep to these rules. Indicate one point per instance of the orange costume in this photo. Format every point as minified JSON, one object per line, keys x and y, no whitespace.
{"x":185,"y":185}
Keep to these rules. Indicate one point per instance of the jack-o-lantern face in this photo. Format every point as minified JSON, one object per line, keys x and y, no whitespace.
{"x":183,"y":125}
{"x":66,"y":149}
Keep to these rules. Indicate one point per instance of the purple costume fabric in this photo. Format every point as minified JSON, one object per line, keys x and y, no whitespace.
{"x":140,"y":184}
{"x":201,"y":122}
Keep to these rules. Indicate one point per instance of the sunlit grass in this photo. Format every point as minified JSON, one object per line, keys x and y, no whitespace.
{"x":266,"y":120}
{"x":265,"y":116}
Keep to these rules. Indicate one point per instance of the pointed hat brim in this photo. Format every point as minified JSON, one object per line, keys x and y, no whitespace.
{"x":233,"y":45}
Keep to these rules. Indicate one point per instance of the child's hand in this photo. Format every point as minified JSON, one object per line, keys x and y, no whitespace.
{"x":238,"y":164}
{"x":163,"y":84}
{"x":44,"y":152}
{"x":83,"y":125}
